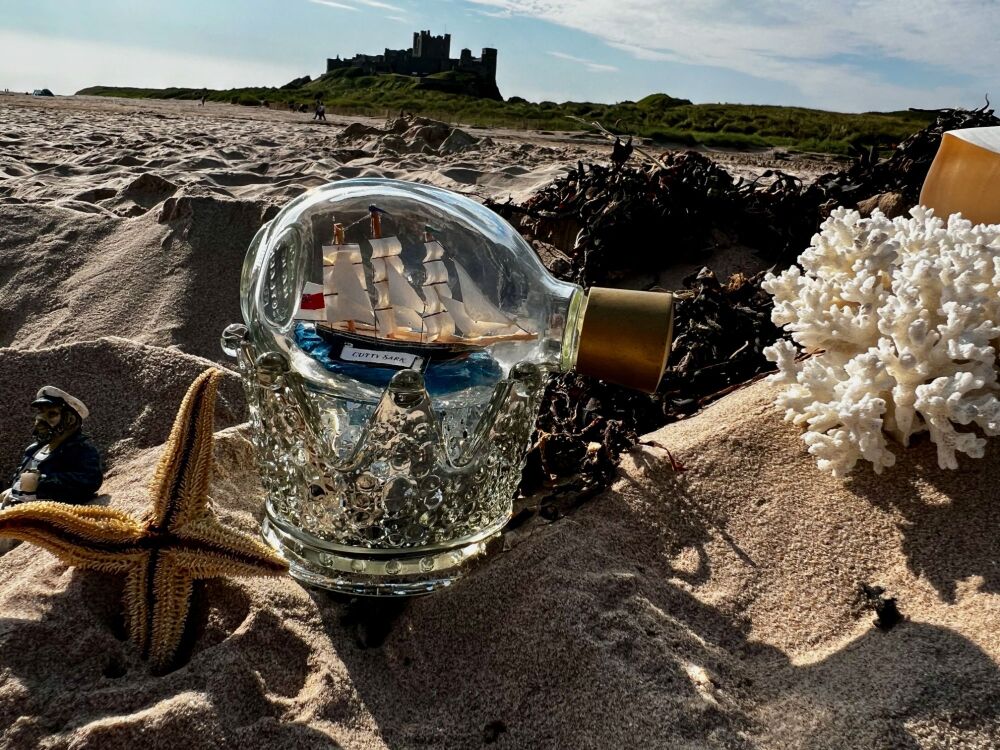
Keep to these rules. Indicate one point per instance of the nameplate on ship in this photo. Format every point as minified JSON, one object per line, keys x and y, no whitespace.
{"x":381,"y":357}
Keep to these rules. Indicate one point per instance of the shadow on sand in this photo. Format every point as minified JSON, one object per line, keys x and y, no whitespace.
{"x":950,"y":541}
{"x":583,"y":634}
{"x":589,"y":613}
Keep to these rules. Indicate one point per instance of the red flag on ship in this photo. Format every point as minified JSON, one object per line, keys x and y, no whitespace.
{"x":312,"y":302}
{"x":312,"y":307}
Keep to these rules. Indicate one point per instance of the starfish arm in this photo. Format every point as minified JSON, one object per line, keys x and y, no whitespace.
{"x":171,"y":586}
{"x":135,"y":598}
{"x":221,"y":551}
{"x":178,"y":542}
{"x":180,"y":485}
{"x":158,"y":602}
{"x":216,"y":564}
{"x":86,"y":536}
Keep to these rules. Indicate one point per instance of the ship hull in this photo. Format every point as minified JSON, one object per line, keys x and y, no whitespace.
{"x":437,"y":351}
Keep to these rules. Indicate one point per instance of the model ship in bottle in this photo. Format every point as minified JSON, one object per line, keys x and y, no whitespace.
{"x":444,"y":318}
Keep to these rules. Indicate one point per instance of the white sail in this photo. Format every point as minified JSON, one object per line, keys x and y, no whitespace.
{"x":437,"y":322}
{"x":436,"y":273}
{"x":435,"y":251}
{"x":404,"y":298}
{"x":330,"y":252}
{"x":465,"y":326}
{"x":385,"y":252}
{"x":478,"y":307}
{"x":437,"y":313}
{"x":344,"y":287}
{"x":398,"y":306}
{"x":390,"y":276}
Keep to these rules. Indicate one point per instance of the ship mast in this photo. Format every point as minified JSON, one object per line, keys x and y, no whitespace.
{"x":398,"y":304}
{"x":344,"y":287}
{"x":438,"y":323}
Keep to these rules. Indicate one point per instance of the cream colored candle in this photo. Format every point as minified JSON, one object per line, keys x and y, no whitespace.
{"x":965,"y":176}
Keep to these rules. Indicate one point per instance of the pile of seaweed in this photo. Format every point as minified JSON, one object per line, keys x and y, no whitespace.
{"x":613,"y":222}
{"x":586,"y":423}
{"x":905,"y":169}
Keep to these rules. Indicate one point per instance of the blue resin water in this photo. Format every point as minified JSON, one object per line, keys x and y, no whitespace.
{"x":442,"y":378}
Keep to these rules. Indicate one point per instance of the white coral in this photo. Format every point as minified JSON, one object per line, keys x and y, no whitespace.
{"x":904,"y":319}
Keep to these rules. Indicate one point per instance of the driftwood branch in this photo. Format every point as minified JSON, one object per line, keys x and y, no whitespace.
{"x":612,"y":137}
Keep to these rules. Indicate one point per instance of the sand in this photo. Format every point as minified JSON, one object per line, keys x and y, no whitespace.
{"x":712,"y":607}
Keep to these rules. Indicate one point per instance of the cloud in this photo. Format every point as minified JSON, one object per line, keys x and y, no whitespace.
{"x":381,"y":5}
{"x":642,"y":53}
{"x":397,"y":19}
{"x":811,"y":46}
{"x":333,"y":4}
{"x":589,"y":64}
{"x":495,"y":13}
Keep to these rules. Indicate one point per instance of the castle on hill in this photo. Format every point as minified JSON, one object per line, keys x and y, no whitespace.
{"x":429,"y":54}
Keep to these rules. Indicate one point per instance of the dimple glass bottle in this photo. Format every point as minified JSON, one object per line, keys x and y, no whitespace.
{"x":395,"y":344}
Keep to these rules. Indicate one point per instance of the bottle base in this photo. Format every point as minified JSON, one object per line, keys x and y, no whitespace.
{"x":408,"y":573}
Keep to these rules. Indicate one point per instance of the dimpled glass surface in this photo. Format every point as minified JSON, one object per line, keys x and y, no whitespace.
{"x":344,"y":477}
{"x":378,"y":489}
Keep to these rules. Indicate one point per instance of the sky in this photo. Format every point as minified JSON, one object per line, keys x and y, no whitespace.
{"x":845,"y":55}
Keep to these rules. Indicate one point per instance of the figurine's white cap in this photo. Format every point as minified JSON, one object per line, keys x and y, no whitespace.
{"x":49,"y":394}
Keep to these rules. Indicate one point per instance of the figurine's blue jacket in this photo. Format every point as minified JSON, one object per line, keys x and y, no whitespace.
{"x":72,"y":473}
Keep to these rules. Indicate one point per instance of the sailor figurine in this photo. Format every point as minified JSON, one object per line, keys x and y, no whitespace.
{"x":62,"y":463}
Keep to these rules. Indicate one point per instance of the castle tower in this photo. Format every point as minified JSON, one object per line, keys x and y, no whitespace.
{"x":433,"y":47}
{"x":489,"y":63}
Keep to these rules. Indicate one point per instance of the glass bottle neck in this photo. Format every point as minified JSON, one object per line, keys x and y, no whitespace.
{"x":571,"y":333}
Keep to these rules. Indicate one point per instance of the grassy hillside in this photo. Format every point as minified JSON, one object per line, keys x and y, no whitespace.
{"x":657,"y":116}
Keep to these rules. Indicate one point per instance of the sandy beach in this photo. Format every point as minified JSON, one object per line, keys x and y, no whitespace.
{"x":716,"y":606}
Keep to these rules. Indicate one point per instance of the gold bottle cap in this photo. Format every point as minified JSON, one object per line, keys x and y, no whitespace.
{"x":965,"y":176}
{"x":626,"y":336}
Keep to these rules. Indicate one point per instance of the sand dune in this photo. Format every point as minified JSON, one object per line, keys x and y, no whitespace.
{"x":78,"y":151}
{"x":167,"y":277}
{"x":712,"y":607}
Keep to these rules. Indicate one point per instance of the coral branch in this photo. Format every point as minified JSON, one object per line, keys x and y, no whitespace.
{"x":906,"y":313}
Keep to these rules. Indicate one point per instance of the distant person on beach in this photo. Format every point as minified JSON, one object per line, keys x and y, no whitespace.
{"x":61,"y":463}
{"x":320,"y":112}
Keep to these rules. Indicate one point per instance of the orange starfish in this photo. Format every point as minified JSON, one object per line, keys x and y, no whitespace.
{"x":179,"y":541}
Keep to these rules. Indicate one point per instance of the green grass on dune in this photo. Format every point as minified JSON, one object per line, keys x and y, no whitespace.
{"x":657,"y":116}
